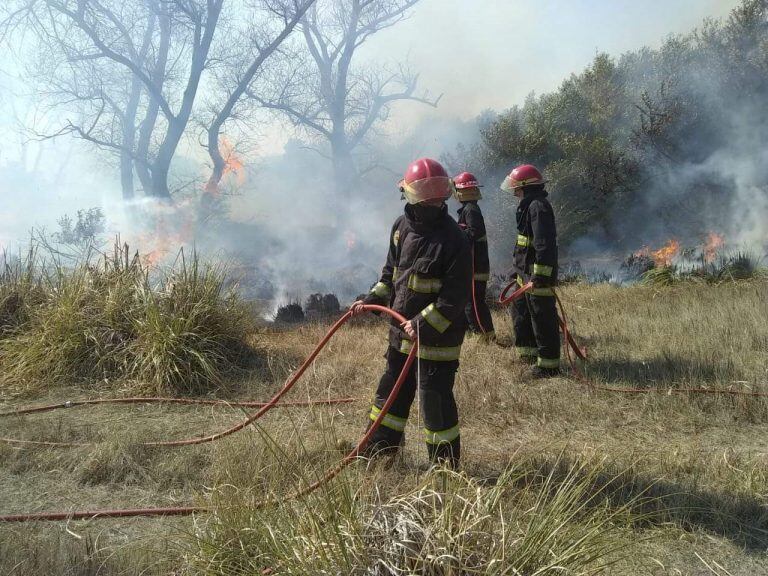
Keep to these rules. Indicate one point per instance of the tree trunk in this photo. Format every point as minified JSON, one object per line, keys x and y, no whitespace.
{"x":129,"y":139}
{"x":178,"y":123}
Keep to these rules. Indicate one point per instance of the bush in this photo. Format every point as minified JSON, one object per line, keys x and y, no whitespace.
{"x":290,"y":313}
{"x":322,"y":305}
{"x":113,"y":319}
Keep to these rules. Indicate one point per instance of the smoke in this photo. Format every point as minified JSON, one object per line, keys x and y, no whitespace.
{"x":287,"y":232}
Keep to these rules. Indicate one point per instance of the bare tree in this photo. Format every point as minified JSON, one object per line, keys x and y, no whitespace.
{"x":71,"y":81}
{"x":261,"y":38}
{"x":100,"y":36}
{"x":330,"y":98}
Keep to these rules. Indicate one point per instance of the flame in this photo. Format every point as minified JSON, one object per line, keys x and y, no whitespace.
{"x":170,"y":230}
{"x":232,"y":162}
{"x":712,"y":246}
{"x":664,"y":256}
{"x":351,"y":240}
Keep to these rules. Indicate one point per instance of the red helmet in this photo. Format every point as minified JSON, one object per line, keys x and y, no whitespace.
{"x":522,"y":176}
{"x":425,"y":179}
{"x":467,"y":187}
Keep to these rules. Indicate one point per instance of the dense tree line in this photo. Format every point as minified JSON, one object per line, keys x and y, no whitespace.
{"x":656,"y":143}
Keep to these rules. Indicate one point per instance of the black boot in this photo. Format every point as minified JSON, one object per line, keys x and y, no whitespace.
{"x":540,"y":372}
{"x":445,"y":454}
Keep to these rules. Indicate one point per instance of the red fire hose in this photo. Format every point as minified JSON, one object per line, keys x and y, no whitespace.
{"x":474,"y":296}
{"x":581,"y":353}
{"x":329,"y":475}
{"x":162,"y":400}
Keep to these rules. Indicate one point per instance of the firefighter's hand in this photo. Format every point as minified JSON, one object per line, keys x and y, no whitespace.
{"x":357,"y":308}
{"x":409,"y":329}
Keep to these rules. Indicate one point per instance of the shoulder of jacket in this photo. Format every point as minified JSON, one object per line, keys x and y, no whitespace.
{"x":455,"y":233}
{"x":540,"y":204}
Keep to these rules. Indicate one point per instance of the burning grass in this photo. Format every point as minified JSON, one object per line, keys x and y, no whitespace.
{"x":111,"y":319}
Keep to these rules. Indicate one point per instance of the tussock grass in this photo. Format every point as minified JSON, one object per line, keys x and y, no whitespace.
{"x":111,"y":319}
{"x":665,"y":480}
{"x":740,"y":265}
{"x":529,"y":520}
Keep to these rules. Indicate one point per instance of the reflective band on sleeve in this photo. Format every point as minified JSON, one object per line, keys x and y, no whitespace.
{"x":381,"y":290}
{"x":436,"y":353}
{"x":390,"y":421}
{"x":441,"y":436}
{"x":542,"y":270}
{"x":424,"y":285}
{"x":482,"y":239}
{"x":395,"y":273}
{"x":482,"y":277}
{"x":548,"y":362}
{"x":435,"y":318}
{"x":523,"y":240}
{"x":527,"y":352}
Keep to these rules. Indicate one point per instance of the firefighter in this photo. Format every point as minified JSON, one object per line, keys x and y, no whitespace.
{"x":537,"y":336}
{"x":426,"y":278}
{"x":467,"y":191}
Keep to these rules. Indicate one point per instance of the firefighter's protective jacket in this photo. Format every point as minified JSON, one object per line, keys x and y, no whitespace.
{"x":427,"y":277}
{"x":535,"y":256}
{"x":472,"y":222}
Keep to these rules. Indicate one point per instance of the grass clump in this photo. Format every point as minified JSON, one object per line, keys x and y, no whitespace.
{"x":113,"y":319}
{"x":532,"y":519}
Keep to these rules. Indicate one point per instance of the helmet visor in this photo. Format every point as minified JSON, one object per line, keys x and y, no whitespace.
{"x":466,"y":194}
{"x":433,"y":188}
{"x":509,"y":185}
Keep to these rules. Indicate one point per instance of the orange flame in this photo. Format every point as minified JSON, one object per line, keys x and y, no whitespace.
{"x":170,"y":232}
{"x":232,"y":162}
{"x":712,"y":246}
{"x":664,"y":256}
{"x":351,"y":240}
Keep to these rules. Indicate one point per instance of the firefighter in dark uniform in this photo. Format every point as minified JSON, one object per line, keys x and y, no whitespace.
{"x":537,"y":335}
{"x":426,"y":278}
{"x":467,"y":191}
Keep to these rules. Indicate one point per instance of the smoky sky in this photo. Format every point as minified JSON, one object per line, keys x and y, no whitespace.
{"x":480,"y":55}
{"x":483,"y":54}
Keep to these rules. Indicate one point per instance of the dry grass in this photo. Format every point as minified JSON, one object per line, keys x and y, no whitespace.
{"x":683,"y":479}
{"x":109,"y":318}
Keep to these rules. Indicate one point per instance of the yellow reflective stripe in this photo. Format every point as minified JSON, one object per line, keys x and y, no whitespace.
{"x":381,"y":290}
{"x":435,"y":318}
{"x":536,"y":291}
{"x":441,"y":436}
{"x":395,"y":273}
{"x":523,"y":240}
{"x":390,"y":421}
{"x":436,"y":353}
{"x":548,"y":362}
{"x":542,"y":270}
{"x":482,"y":276}
{"x":424,"y":285}
{"x":527,"y":352}
{"x":482,"y":239}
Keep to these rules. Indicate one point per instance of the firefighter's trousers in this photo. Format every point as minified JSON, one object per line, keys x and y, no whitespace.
{"x":537,"y":332}
{"x":440,"y":419}
{"x":483,"y":312}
